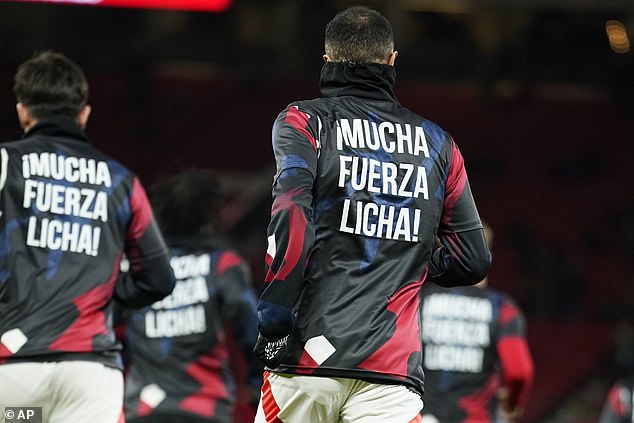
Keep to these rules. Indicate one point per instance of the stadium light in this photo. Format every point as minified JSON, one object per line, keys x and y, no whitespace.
{"x":194,"y":5}
{"x":617,"y":36}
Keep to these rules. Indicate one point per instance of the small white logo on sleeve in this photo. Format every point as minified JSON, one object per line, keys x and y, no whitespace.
{"x":270,"y":250}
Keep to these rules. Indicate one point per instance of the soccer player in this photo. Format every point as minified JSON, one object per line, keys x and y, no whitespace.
{"x":619,"y":404}
{"x":177,"y":349}
{"x":68,"y":213}
{"x":475,"y":355}
{"x":362,"y":189}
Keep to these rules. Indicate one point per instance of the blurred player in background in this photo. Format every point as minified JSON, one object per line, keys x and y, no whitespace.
{"x":363,"y":185}
{"x":179,"y":364}
{"x":475,"y":355}
{"x":67,"y":214}
{"x":619,"y":404}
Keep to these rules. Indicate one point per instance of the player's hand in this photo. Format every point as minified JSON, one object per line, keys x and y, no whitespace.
{"x":510,"y":412}
{"x":270,"y":351}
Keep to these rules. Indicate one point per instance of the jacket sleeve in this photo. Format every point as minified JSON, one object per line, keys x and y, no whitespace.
{"x":238,"y":309}
{"x":461,"y":256}
{"x":290,"y":233}
{"x":150,"y":278}
{"x":515,"y":358}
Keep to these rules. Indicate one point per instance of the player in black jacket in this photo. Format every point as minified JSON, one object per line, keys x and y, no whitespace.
{"x":68,"y":213}
{"x":476,"y":358}
{"x":178,"y":351}
{"x":363,"y":188}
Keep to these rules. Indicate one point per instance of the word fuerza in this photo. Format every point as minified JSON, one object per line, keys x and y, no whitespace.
{"x":385,"y":178}
{"x":47,"y":189}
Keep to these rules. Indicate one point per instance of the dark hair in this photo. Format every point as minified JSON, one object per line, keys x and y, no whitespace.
{"x":187,"y":203}
{"x":360,"y":35}
{"x":49,"y":83}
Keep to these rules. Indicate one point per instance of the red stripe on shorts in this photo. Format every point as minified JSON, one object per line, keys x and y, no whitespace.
{"x":269,"y":406}
{"x":416,"y":419}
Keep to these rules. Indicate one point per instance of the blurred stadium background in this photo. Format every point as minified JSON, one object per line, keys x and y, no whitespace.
{"x":539,"y":94}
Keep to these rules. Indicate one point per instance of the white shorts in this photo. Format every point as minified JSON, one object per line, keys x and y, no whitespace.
{"x":67,"y":391}
{"x":306,"y":399}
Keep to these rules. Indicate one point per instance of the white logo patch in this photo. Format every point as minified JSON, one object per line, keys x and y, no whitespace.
{"x":14,"y":340}
{"x":152,"y":395}
{"x":319,"y":349}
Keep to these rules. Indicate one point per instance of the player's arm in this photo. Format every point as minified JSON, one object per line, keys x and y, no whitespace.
{"x":4,"y":160}
{"x":150,"y":277}
{"x":238,"y":310}
{"x":515,"y":361}
{"x":461,"y":256}
{"x":290,"y":232}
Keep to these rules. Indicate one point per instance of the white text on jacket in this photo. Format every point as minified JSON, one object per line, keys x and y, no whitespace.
{"x":391,"y":184}
{"x":49,"y":189}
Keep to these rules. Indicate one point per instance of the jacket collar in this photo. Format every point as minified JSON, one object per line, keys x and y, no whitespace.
{"x":372,"y":80}
{"x":57,"y":126}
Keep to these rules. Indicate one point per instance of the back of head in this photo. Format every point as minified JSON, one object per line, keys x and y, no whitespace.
{"x":51,"y":84}
{"x":359,"y":35}
{"x":187,"y":204}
